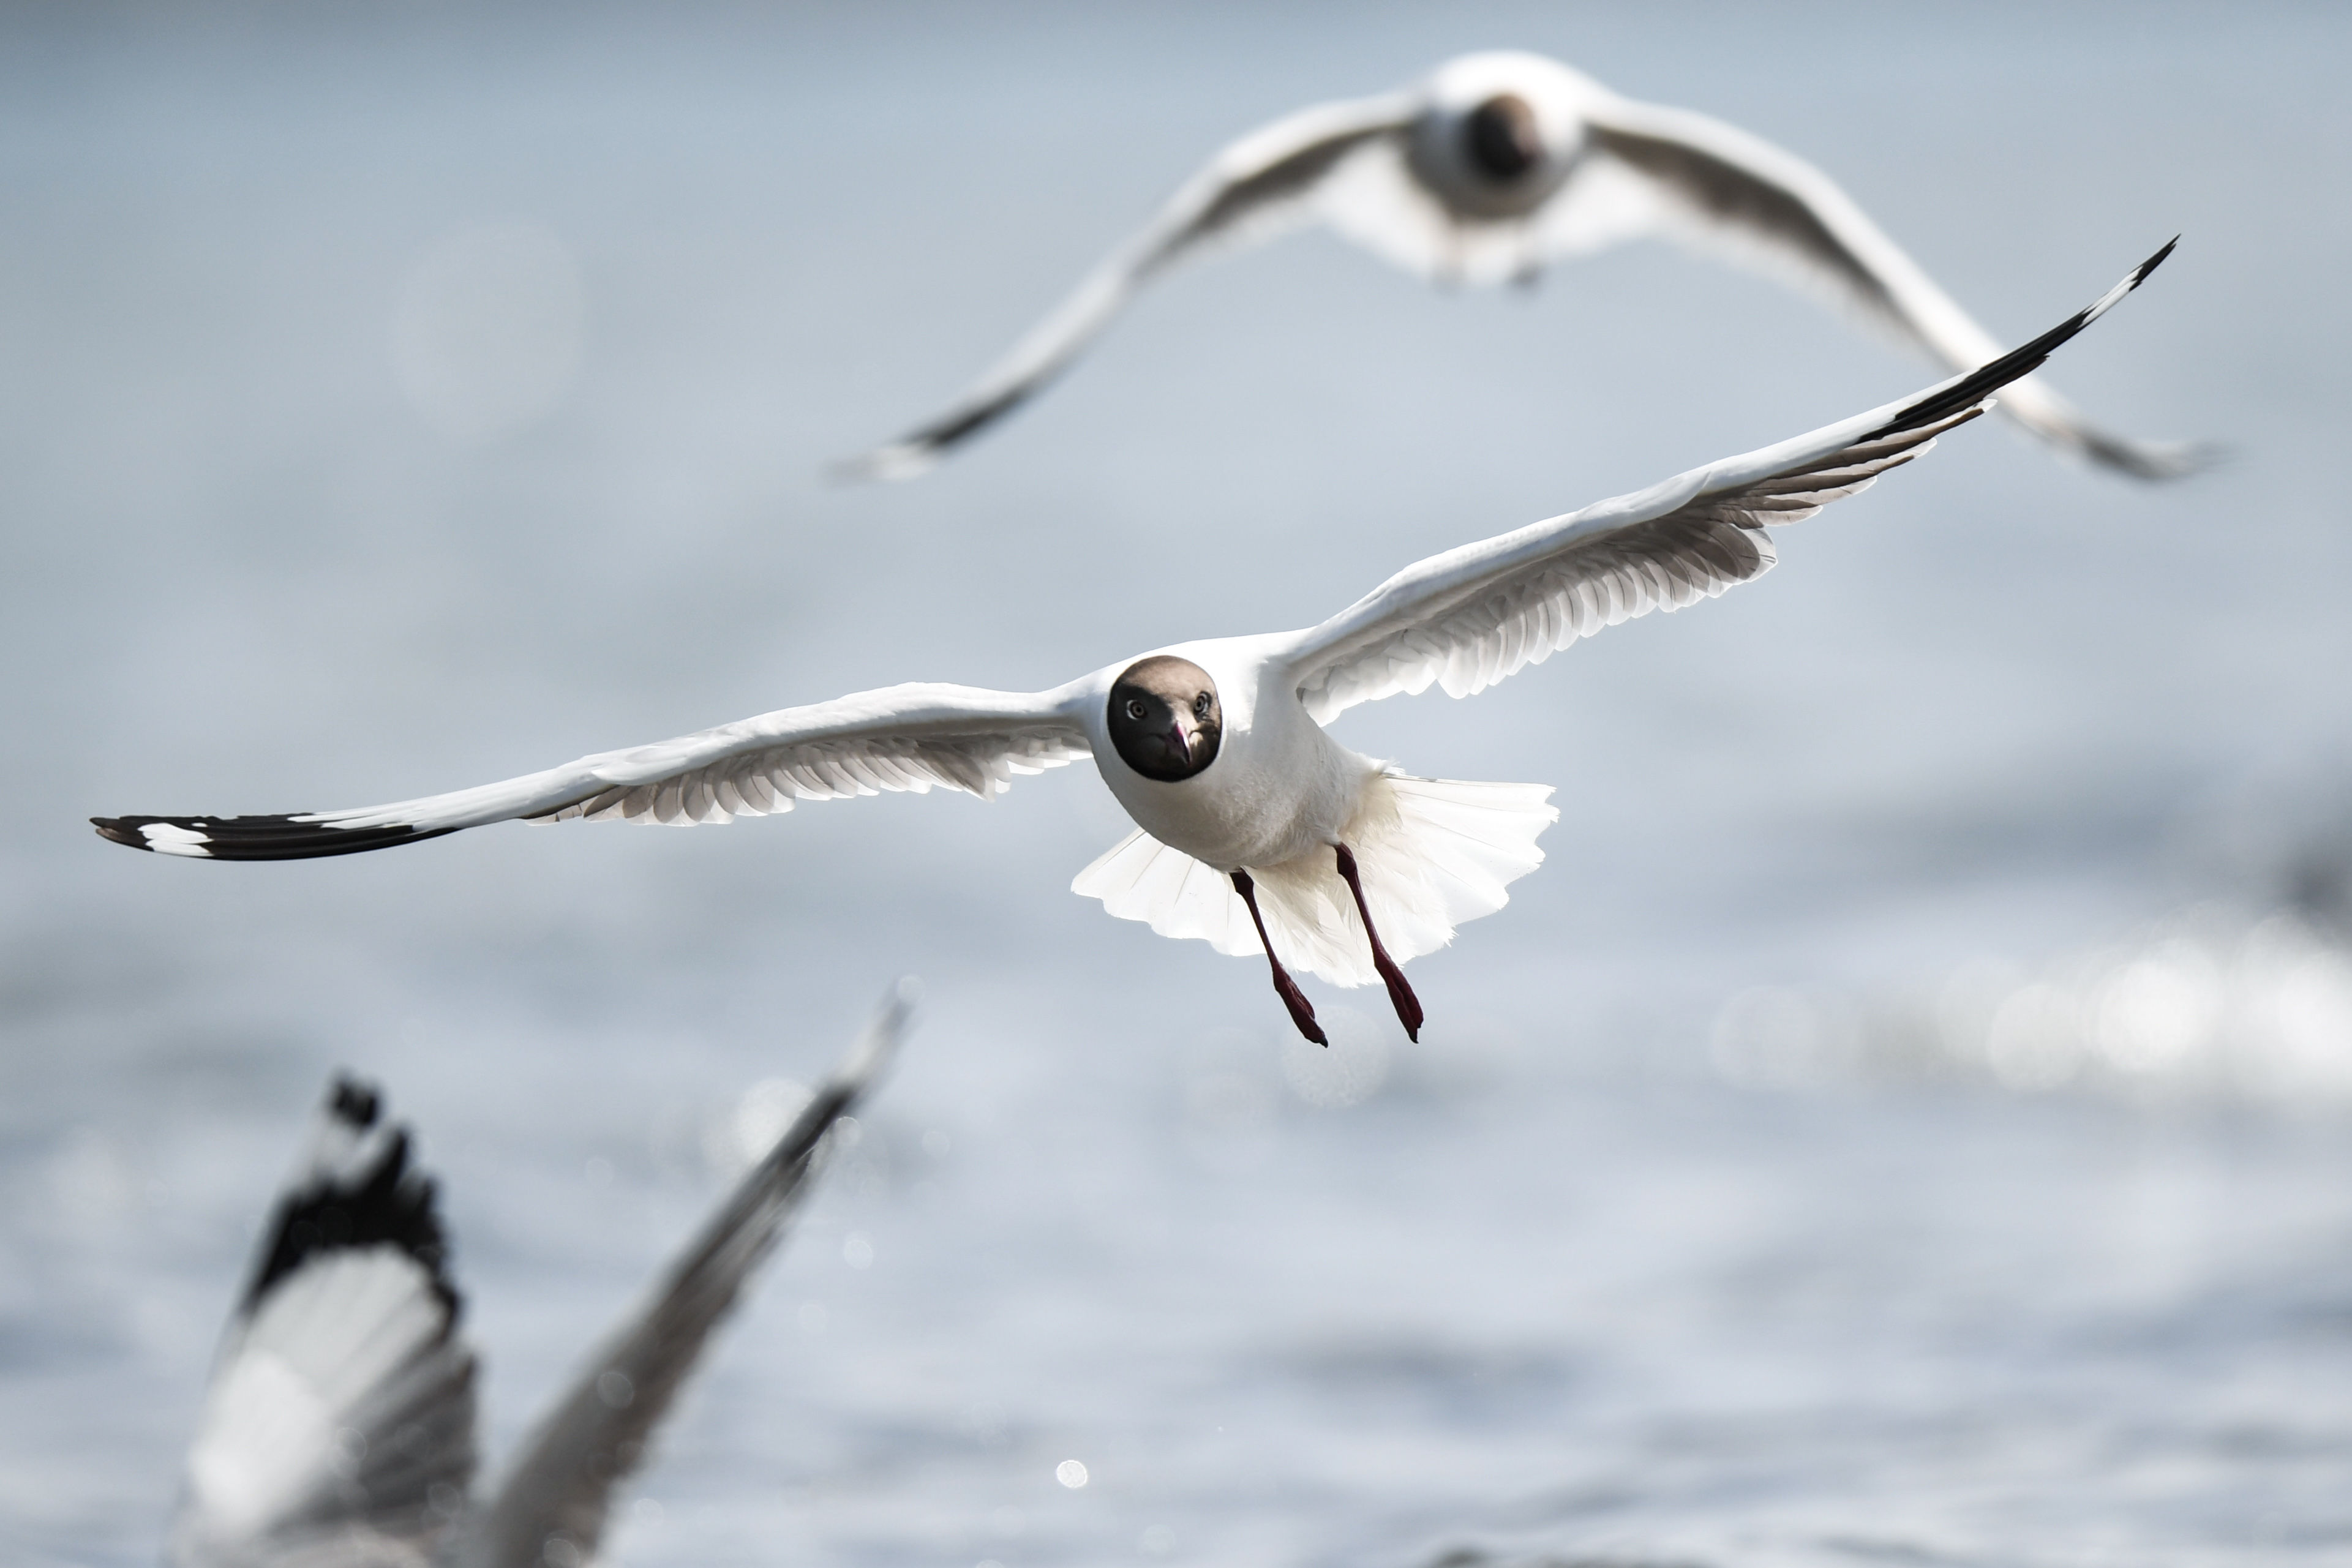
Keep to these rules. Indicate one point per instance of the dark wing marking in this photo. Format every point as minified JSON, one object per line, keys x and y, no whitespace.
{"x":266,"y":838}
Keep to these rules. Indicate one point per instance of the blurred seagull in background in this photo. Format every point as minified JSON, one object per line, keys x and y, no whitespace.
{"x":339,"y":1428}
{"x":1254,"y":829}
{"x":1492,"y":168}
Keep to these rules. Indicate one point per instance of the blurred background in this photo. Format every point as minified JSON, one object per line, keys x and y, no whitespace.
{"x":1908,"y":1118}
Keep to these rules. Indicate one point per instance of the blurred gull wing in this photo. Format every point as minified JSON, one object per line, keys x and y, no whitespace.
{"x":1472,"y":616}
{"x":339,"y":1424}
{"x":561,"y":1482}
{"x":908,"y":738}
{"x":1652,"y":170}
{"x":1252,"y":188}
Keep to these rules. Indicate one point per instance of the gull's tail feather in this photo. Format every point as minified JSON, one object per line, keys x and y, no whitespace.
{"x":340,"y":1419}
{"x":1432,"y":854}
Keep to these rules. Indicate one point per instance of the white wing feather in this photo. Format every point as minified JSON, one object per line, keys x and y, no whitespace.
{"x":914,"y":738}
{"x":1472,"y":616}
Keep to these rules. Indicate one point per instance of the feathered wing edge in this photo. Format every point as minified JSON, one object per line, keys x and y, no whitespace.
{"x":912,"y":737}
{"x":338,"y":1422}
{"x":1474,"y":615}
{"x":562,"y":1481}
{"x":1251,"y":189}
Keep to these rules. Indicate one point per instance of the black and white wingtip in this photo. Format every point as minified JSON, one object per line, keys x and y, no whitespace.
{"x":339,"y":1425}
{"x":358,"y":1190}
{"x":1979,"y":385}
{"x":282,"y":838}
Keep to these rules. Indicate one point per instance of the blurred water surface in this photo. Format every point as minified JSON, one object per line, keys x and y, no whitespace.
{"x":395,"y":399}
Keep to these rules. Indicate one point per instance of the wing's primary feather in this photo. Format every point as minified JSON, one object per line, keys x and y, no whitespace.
{"x":561,"y":1482}
{"x":1468,"y":618}
{"x":1245,"y":192}
{"x":912,"y":737}
{"x":339,"y":1425}
{"x":1719,"y":189}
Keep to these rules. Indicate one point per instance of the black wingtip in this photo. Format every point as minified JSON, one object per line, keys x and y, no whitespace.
{"x":382,"y":1202}
{"x":2139,"y":273}
{"x":2022,"y":360}
{"x":354,"y":1104}
{"x":279,"y":838}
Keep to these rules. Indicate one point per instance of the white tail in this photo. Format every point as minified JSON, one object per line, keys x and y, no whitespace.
{"x":1432,"y":854}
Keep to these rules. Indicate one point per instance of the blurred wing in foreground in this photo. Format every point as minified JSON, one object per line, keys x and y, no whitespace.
{"x":339,"y":1425}
{"x":560,"y":1486}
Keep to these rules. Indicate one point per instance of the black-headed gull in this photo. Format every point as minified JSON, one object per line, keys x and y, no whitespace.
{"x":1494,"y":166}
{"x":1255,"y":830}
{"x":339,"y":1428}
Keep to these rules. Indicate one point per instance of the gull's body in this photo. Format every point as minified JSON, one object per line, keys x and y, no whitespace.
{"x":1492,"y":169}
{"x":1256,"y":831}
{"x":339,"y":1428}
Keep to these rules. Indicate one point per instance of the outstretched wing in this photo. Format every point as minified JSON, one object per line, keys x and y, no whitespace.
{"x":1246,"y":192}
{"x":1473,"y":615}
{"x":912,"y":737}
{"x":562,"y":1482}
{"x":1658,"y":171}
{"x":339,"y":1426}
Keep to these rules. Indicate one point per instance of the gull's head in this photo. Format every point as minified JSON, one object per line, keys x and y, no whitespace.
{"x":1501,"y":141}
{"x":1165,"y":721}
{"x":1499,"y":132}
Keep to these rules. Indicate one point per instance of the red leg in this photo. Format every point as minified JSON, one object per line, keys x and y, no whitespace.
{"x":1302,"y":1012}
{"x":1400,"y":997}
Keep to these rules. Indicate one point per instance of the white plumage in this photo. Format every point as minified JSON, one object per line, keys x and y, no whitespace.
{"x":1491,"y":169}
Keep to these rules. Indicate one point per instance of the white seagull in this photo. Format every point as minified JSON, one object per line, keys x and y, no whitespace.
{"x":1254,"y":829}
{"x":1494,"y":166}
{"x":339,"y":1428}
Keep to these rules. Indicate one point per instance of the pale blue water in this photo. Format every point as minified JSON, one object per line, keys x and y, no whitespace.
{"x":1709,"y":1224}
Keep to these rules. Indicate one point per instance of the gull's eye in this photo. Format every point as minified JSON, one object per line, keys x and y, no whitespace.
{"x":1135,"y":708}
{"x":1200,"y":706}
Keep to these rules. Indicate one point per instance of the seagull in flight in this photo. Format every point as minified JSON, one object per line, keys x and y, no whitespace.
{"x":1491,"y":169}
{"x":1254,"y":829}
{"x":339,"y":1429}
